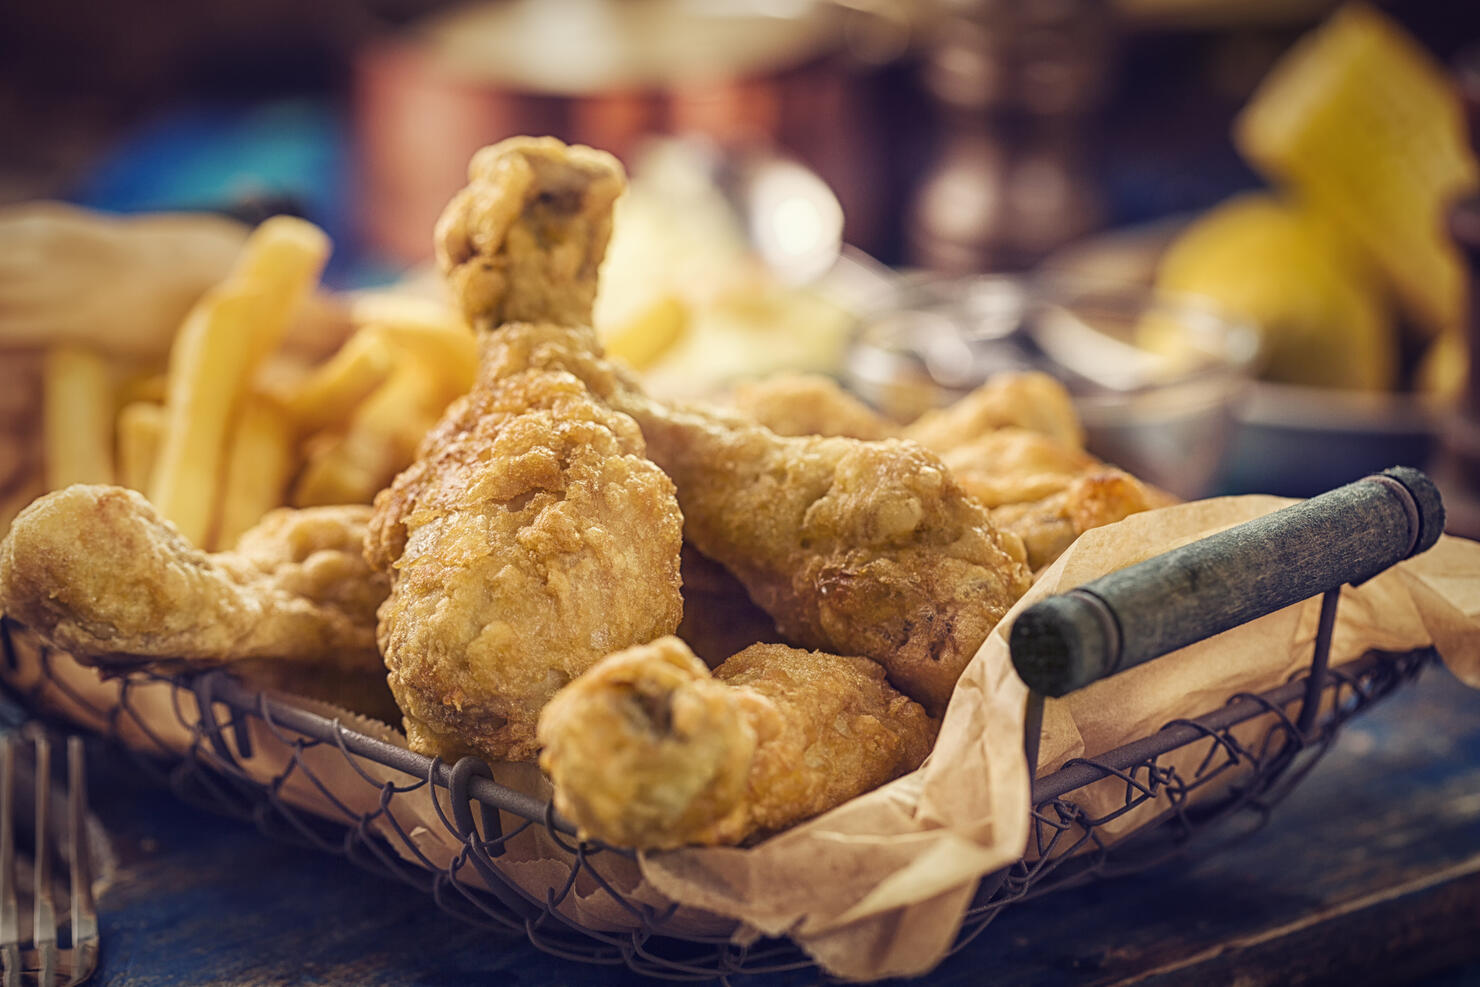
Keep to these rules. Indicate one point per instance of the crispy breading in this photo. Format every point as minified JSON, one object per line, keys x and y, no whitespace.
{"x":853,"y":547}
{"x":1014,"y":444}
{"x":531,"y":536}
{"x":97,"y":572}
{"x":523,"y":241}
{"x":809,"y":404}
{"x":529,"y":539}
{"x":647,"y":749}
{"x":860,"y":548}
{"x":1032,"y":400}
{"x":1096,"y":497}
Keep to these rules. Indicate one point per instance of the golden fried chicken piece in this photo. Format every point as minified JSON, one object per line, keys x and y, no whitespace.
{"x":532,"y":536}
{"x":523,"y":241}
{"x":1014,"y":444}
{"x":865,"y":548}
{"x":1016,"y":466}
{"x":97,"y":572}
{"x":1101,"y":496}
{"x":862,"y":548}
{"x":1045,"y":492}
{"x":1033,"y":401}
{"x":853,"y":547}
{"x":648,"y":750}
{"x":809,"y":404}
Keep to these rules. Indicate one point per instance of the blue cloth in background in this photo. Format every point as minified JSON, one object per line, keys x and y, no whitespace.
{"x":295,"y":155}
{"x":249,"y":160}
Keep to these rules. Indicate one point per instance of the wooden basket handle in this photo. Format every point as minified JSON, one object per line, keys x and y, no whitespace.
{"x":1120,"y":620}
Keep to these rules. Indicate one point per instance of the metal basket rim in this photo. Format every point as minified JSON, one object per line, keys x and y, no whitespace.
{"x":1074,"y":774}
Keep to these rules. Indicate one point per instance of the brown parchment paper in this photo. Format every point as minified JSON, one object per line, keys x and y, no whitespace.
{"x":876,"y":887}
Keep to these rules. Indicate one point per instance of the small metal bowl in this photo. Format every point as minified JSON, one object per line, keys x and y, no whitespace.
{"x":1300,"y":441}
{"x":1166,"y":419}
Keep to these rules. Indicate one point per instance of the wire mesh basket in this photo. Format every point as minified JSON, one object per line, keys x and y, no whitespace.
{"x":1234,"y":761}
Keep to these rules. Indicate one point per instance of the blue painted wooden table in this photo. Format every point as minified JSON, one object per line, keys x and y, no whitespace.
{"x":1368,"y":873}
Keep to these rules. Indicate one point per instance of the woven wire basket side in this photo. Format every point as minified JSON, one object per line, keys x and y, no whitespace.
{"x":1248,"y":756}
{"x":1235,"y":761}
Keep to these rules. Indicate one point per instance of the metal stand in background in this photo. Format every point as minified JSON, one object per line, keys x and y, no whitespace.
{"x":1015,"y":84}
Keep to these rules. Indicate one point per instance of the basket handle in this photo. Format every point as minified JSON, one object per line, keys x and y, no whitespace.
{"x":1123,"y":619}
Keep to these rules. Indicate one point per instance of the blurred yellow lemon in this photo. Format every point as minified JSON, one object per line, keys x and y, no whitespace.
{"x":1444,"y":367}
{"x":1369,"y":129}
{"x":1322,"y":320}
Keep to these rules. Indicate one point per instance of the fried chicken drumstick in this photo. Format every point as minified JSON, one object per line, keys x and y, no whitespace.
{"x":853,"y":547}
{"x":532,"y":536}
{"x":648,"y":750}
{"x":856,"y":548}
{"x":97,"y":572}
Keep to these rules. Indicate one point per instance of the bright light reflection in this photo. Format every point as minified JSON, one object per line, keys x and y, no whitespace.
{"x":796,"y":225}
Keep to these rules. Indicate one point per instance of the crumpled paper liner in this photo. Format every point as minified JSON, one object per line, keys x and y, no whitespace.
{"x":878,"y":886}
{"x":156,"y":717}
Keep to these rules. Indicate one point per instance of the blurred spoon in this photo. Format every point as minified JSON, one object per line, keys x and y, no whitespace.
{"x":791,"y":217}
{"x":788,"y":216}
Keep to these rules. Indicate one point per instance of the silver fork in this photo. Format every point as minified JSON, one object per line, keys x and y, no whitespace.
{"x":42,"y":961}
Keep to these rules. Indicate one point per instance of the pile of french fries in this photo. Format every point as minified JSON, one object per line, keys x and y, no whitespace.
{"x":235,"y":425}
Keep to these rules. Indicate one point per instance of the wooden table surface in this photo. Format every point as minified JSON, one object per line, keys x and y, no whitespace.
{"x":1368,"y":874}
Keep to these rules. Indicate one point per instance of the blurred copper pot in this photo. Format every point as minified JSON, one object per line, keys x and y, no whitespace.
{"x":793,"y":73}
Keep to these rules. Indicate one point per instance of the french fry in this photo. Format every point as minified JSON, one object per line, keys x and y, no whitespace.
{"x":259,"y":462}
{"x":391,"y":308}
{"x":650,"y":334}
{"x":282,"y":259}
{"x":141,"y":427}
{"x":448,"y":352}
{"x":331,"y":392}
{"x":380,"y":442}
{"x":424,"y":330}
{"x":281,"y":374}
{"x":149,"y":387}
{"x":226,"y":336}
{"x":210,"y":364}
{"x":77,"y":417}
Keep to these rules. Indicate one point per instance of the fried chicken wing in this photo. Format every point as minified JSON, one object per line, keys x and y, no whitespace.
{"x":853,"y":547}
{"x":647,"y":749}
{"x":532,"y":536}
{"x":809,"y":404}
{"x":1092,"y":499}
{"x":1014,"y":444}
{"x":97,"y":572}
{"x":1033,"y":401}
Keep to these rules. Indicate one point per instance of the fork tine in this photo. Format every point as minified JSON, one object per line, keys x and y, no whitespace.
{"x":44,"y":933}
{"x":84,"y":909}
{"x":10,"y":923}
